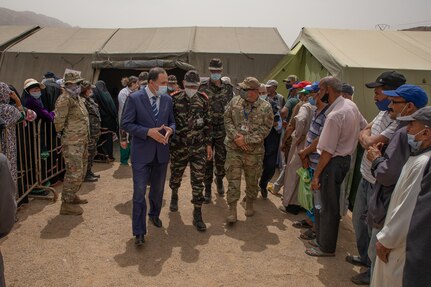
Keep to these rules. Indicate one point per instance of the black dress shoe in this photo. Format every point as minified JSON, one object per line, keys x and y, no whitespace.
{"x":156,"y":221}
{"x":139,"y":240}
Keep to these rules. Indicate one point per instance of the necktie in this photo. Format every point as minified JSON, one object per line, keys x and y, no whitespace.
{"x":154,"y":107}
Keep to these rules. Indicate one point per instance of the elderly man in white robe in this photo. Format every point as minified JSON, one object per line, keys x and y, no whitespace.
{"x":391,"y":244}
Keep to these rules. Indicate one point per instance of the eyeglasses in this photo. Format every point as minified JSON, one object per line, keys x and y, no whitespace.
{"x":249,"y":89}
{"x":398,"y":102}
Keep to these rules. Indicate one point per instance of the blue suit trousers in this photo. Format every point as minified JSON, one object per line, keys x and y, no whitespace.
{"x":155,"y":174}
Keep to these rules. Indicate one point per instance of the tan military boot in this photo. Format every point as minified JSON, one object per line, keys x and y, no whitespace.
{"x":78,"y":200}
{"x":249,"y":207}
{"x":232,"y":213}
{"x":70,"y":209}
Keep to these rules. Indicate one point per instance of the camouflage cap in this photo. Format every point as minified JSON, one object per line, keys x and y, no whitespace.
{"x":249,"y":83}
{"x":72,"y":78}
{"x":172,"y":79}
{"x":192,"y":78}
{"x":86,"y":85}
{"x":215,"y":64}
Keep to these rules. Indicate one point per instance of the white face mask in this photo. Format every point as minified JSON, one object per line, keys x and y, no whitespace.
{"x":190,"y":92}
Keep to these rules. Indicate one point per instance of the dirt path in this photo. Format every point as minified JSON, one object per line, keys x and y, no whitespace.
{"x":97,"y":249}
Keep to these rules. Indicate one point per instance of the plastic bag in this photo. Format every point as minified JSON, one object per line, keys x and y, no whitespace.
{"x":305,"y":196}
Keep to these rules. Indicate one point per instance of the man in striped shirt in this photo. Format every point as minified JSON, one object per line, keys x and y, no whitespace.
{"x":379,"y":131}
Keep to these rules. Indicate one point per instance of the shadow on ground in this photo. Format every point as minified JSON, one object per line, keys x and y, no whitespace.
{"x":60,"y":226}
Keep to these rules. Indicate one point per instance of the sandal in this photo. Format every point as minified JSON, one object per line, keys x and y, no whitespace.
{"x":313,"y":243}
{"x":301,"y":224}
{"x":316,"y":252}
{"x":270,"y":188}
{"x":308,"y":235}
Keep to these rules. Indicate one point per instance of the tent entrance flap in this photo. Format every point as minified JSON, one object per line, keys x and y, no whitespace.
{"x":112,"y":78}
{"x":142,"y":64}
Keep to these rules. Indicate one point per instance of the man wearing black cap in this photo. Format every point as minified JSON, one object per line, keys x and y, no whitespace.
{"x":391,"y":240}
{"x":386,"y":168}
{"x":379,"y":131}
{"x":190,"y":144}
{"x":219,"y":94}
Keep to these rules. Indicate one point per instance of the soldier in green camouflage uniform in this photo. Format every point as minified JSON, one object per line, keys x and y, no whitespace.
{"x":220,"y":93}
{"x":248,"y":120}
{"x":94,"y":120}
{"x":71,"y":122}
{"x":191,"y":143}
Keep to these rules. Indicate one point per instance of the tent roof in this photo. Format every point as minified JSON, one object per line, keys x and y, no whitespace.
{"x":339,"y":48}
{"x":9,"y":33}
{"x":229,"y":40}
{"x":52,"y":40}
{"x":239,"y":40}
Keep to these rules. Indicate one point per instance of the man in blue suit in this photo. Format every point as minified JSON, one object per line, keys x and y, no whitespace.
{"x":148,"y":117}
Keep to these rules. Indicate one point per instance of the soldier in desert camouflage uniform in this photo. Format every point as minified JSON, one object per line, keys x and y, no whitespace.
{"x":71,"y":122}
{"x":248,"y":120}
{"x":191,"y":143}
{"x":219,"y":93}
{"x":94,"y":120}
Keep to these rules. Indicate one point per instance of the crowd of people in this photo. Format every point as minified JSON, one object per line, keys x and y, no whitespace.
{"x":311,"y":135}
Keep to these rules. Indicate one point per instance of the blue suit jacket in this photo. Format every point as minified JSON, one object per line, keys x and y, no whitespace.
{"x":138,"y":118}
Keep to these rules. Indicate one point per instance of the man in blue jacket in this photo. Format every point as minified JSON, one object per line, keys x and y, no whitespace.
{"x":148,"y":117}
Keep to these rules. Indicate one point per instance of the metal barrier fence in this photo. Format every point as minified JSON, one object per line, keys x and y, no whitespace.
{"x":51,"y":163}
{"x":26,"y":159}
{"x":38,"y":159}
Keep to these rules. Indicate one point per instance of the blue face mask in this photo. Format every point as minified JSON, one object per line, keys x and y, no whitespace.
{"x":170,"y":89}
{"x":215,"y":76}
{"x":162,"y":90}
{"x":413,"y":143}
{"x":312,"y":101}
{"x":36,"y":95}
{"x":383,"y":105}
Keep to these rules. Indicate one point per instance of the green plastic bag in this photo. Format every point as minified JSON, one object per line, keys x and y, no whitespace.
{"x":305,"y":196}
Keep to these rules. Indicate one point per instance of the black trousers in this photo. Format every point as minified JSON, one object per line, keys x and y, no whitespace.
{"x":269,"y":166}
{"x":328,"y":217}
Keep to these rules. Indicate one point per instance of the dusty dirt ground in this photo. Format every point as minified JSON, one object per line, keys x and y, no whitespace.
{"x":97,"y":248}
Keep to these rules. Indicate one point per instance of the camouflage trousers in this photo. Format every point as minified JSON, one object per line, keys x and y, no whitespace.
{"x":219,"y":151}
{"x":181,"y":155}
{"x":236,"y":162}
{"x":75,"y":158}
{"x":92,"y":150}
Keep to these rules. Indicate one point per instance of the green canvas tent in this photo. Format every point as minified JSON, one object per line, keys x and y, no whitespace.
{"x":358,"y":57}
{"x":110,"y":54}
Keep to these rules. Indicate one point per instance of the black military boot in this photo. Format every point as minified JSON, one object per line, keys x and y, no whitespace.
{"x":197,"y":219}
{"x":93,"y":174}
{"x":219,"y":182}
{"x":207,"y":196}
{"x":174,"y":201}
{"x":89,"y":178}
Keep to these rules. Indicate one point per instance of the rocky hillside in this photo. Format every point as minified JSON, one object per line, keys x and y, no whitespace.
{"x":11,"y":17}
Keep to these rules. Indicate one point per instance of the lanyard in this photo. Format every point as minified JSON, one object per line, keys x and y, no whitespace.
{"x":247,"y":114}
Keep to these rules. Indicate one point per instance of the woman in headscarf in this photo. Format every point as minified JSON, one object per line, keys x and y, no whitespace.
{"x":31,"y":98}
{"x":108,"y":114}
{"x":11,"y":116}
